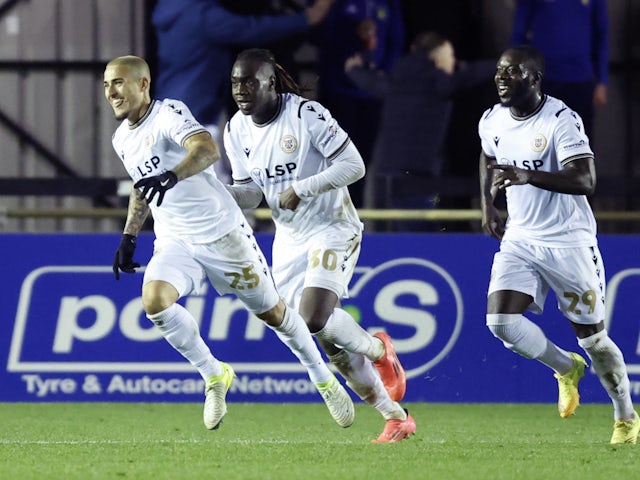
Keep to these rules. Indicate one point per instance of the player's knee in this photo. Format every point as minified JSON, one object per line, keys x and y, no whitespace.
{"x":505,"y":327}
{"x":518,"y":334}
{"x":599,"y":345}
{"x":315,"y":318}
{"x":584,"y":331}
{"x":502,"y":325}
{"x":158,"y":296}
{"x":274,"y":316}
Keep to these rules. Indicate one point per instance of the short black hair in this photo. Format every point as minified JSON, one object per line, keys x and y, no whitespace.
{"x":533,"y":57}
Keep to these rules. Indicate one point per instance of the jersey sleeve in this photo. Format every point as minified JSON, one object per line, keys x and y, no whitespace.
{"x":179,"y":122}
{"x":488,"y":146}
{"x":569,"y":138}
{"x":325,"y":133}
{"x":115,"y":142}
{"x":230,"y":140}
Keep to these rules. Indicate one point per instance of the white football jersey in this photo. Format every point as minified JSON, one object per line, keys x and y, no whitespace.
{"x":198,"y":209}
{"x":546,"y":140}
{"x":298,"y":143}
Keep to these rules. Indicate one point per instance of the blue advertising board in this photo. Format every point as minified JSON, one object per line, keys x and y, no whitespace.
{"x":74,"y":333}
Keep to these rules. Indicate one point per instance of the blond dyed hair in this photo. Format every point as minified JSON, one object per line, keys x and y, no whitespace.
{"x":138,"y":67}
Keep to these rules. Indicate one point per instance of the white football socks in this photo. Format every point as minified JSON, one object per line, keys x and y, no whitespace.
{"x":180,"y":329}
{"x":344,"y":332}
{"x":608,"y":362}
{"x":363,"y":378}
{"x":294,"y":333}
{"x":524,"y":337}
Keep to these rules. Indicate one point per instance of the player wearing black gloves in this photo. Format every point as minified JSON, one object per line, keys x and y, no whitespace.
{"x":200,"y":233}
{"x":156,"y":185}
{"x":124,"y":256}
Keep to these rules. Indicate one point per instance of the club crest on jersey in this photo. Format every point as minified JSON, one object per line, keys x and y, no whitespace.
{"x":538,"y":142}
{"x":288,"y":144}
{"x":148,"y":141}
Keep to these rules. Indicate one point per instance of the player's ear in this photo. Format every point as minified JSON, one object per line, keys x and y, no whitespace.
{"x":272,"y":82}
{"x":537,"y":78}
{"x":144,"y":83}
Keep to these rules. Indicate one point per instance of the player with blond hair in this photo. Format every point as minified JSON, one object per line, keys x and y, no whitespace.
{"x":201,"y":234}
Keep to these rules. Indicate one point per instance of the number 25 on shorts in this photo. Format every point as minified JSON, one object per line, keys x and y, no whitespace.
{"x":248,"y":280}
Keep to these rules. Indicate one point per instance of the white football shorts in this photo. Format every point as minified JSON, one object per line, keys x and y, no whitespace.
{"x":576,"y":275}
{"x":233,"y":264}
{"x":326,"y":260}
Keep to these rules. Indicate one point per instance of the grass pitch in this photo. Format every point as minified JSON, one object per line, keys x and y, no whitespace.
{"x":300,"y":441}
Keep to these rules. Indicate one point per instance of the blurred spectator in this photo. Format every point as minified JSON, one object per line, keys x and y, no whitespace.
{"x":375,"y":30}
{"x":196,"y":41}
{"x":573,"y":37}
{"x":460,"y":21}
{"x":417,"y":102}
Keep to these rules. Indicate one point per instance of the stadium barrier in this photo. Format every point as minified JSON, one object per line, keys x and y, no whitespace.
{"x":435,"y":215}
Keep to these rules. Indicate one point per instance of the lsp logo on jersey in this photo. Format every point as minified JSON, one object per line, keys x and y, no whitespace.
{"x":146,"y":168}
{"x":526,"y":164}
{"x":73,"y":319}
{"x":260,"y":176}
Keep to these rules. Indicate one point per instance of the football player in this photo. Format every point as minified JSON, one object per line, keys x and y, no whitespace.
{"x":535,"y":148}
{"x":200,"y":233}
{"x":291,"y":151}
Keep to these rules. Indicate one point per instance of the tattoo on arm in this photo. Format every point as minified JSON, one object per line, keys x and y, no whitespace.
{"x":137,"y":213}
{"x":202,"y":152}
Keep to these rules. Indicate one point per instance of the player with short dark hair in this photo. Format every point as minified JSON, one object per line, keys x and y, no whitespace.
{"x":535,"y":148}
{"x":293,"y":152}
{"x":200,"y":234}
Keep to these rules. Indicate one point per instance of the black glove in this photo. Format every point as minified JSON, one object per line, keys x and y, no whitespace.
{"x":158,"y":184}
{"x":124,"y":256}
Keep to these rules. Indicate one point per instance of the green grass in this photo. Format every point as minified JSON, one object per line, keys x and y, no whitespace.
{"x":300,"y":441}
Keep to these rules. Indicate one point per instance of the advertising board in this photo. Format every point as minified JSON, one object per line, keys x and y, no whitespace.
{"x":74,"y":333}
